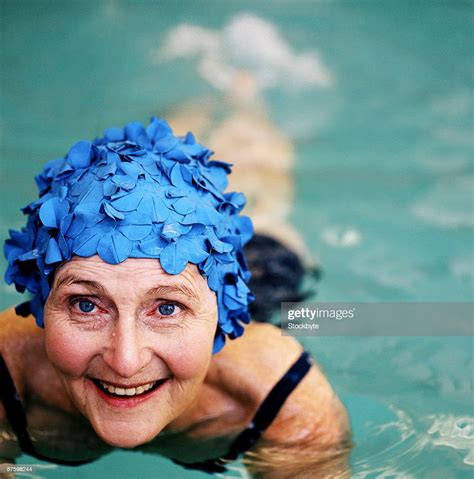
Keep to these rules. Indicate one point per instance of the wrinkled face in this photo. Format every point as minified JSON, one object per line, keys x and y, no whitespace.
{"x":131,"y":343}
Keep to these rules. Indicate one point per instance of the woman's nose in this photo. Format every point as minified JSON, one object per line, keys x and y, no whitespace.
{"x":126,"y":354}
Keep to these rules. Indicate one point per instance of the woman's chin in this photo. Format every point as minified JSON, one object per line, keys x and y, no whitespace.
{"x":123,"y":434}
{"x":126,"y":439}
{"x":124,"y":443}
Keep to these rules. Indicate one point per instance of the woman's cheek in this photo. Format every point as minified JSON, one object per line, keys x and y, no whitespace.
{"x":68,"y":350}
{"x":189,"y":357}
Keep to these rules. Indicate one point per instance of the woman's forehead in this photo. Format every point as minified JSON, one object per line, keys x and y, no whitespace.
{"x":145,"y":271}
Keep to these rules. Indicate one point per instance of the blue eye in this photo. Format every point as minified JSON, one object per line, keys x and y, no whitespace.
{"x":167,"y":309}
{"x":86,"y":306}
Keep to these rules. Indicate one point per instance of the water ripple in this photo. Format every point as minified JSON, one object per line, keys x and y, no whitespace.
{"x":407,"y":446}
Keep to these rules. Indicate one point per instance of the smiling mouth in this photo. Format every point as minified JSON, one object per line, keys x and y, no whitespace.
{"x":124,"y":393}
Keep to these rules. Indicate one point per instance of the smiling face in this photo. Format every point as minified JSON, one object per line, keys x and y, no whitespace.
{"x":131,"y":343}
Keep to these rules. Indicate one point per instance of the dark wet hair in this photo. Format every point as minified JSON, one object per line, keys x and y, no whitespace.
{"x":277,"y":276}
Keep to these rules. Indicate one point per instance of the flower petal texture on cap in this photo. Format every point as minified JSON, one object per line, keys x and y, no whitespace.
{"x":137,"y":192}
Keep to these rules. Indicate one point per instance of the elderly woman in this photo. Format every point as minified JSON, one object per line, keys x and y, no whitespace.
{"x":134,"y":258}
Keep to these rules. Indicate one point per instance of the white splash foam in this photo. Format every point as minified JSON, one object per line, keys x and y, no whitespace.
{"x":246,"y":44}
{"x":402,"y":422}
{"x":456,"y":432}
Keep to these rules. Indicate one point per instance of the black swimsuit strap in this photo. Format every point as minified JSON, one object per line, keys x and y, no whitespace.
{"x":17,"y":418}
{"x":264,"y":416}
{"x":271,"y":405}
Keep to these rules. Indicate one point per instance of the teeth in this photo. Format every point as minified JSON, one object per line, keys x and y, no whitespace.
{"x":127,"y":391}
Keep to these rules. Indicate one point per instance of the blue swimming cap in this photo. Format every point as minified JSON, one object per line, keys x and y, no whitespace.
{"x":137,"y":193}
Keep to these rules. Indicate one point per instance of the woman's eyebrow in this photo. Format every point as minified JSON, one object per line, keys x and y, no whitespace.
{"x":169,"y":289}
{"x":70,"y":279}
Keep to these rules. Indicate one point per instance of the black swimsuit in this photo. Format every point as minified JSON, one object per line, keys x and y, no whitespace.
{"x":264,"y":416}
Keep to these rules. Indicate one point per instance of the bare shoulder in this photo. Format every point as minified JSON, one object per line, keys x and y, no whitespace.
{"x":264,"y":344}
{"x":9,"y":448}
{"x":312,"y":418}
{"x":23,"y":349}
{"x":16,"y":330}
{"x":20,"y":345}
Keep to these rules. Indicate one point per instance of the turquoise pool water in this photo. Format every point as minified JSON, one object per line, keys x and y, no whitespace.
{"x":383,"y":176}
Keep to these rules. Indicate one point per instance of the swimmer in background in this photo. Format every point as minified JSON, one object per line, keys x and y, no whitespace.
{"x":240,"y":61}
{"x":263,"y":156}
